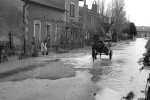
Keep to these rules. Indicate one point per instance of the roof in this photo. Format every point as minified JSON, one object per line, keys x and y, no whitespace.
{"x":48,"y":3}
{"x":142,"y":28}
{"x":88,"y":11}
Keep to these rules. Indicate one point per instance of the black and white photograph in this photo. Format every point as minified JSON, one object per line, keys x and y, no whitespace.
{"x":74,"y":49}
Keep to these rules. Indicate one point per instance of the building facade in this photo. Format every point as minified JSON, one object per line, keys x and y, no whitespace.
{"x":90,"y":21}
{"x":45,"y":18}
{"x":73,"y":10}
{"x":48,"y":17}
{"x":143,"y":31}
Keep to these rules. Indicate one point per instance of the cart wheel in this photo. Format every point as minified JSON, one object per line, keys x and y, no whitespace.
{"x":110,"y":54}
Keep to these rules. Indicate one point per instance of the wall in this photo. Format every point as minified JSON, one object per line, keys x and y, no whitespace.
{"x":90,"y":24}
{"x":6,"y":5}
{"x":36,"y":12}
{"x":8,"y":13}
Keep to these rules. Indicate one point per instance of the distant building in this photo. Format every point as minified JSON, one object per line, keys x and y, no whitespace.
{"x":72,"y":14}
{"x":91,"y":16}
{"x":143,"y":31}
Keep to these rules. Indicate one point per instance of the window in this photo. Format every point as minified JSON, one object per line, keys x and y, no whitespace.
{"x":58,"y":33}
{"x":72,"y":10}
{"x":48,"y":29}
{"x":37,"y":31}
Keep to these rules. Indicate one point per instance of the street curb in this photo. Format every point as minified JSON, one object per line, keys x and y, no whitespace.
{"x":26,"y":68}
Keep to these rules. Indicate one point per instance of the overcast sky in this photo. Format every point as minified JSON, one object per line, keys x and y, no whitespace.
{"x":138,"y":10}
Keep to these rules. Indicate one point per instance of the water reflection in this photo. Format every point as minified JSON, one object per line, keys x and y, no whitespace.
{"x":95,"y":78}
{"x":52,"y":71}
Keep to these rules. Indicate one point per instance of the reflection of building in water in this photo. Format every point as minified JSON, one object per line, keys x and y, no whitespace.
{"x":143,"y":31}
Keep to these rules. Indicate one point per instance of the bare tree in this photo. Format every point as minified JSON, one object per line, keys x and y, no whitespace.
{"x":112,"y":16}
{"x":118,"y":15}
{"x":104,"y":19}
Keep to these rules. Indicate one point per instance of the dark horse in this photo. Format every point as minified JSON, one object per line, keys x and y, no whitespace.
{"x":98,"y":47}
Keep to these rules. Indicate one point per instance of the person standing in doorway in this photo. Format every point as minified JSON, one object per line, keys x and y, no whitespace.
{"x":43,"y":48}
{"x":47,"y":44}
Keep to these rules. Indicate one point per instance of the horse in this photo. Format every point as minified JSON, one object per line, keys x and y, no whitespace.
{"x":98,"y":47}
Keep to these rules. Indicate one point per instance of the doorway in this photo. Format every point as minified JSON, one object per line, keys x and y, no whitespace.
{"x":37,"y":31}
{"x":48,"y":31}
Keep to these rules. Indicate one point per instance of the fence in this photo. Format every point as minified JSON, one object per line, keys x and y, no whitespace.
{"x":70,"y":37}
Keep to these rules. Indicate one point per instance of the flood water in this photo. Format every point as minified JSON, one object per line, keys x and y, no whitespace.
{"x":123,"y":74}
{"x":119,"y":76}
{"x":115,"y":78}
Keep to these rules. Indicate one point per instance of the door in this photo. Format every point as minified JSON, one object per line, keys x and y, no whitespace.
{"x":37,"y":31}
{"x":48,"y":31}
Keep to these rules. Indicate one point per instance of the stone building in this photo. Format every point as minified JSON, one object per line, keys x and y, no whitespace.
{"x":143,"y":31}
{"x":91,"y":17}
{"x":44,"y":17}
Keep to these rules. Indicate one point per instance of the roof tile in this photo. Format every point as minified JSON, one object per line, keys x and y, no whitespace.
{"x":49,"y":3}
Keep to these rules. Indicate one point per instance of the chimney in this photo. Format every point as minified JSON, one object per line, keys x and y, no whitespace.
{"x":94,"y":6}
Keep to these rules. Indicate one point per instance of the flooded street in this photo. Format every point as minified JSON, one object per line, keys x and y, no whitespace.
{"x":114,"y":78}
{"x":74,"y":50}
{"x":117,"y":77}
{"x":123,"y":74}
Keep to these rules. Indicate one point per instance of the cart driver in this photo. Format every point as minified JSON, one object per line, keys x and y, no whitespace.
{"x":95,"y":39}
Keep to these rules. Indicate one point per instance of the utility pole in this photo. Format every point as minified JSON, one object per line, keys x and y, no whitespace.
{"x":84,"y":20}
{"x":24,"y":26}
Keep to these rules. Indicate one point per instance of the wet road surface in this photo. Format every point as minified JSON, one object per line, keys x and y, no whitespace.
{"x":115,"y":77}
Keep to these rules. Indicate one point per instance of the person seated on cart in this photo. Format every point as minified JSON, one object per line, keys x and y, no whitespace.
{"x":98,"y":42}
{"x":95,"y":38}
{"x":108,"y":39}
{"x":101,"y":41}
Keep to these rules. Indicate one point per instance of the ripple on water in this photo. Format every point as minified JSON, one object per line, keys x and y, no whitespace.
{"x":108,"y":94}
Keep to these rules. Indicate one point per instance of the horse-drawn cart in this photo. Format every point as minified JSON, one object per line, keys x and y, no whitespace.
{"x":102,"y":47}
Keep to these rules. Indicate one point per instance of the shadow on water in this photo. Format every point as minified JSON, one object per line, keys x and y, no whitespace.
{"x":100,"y":68}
